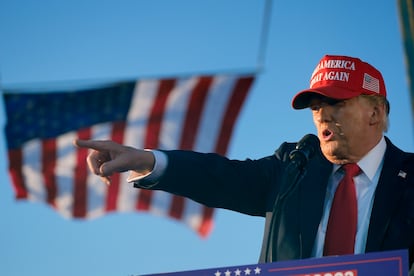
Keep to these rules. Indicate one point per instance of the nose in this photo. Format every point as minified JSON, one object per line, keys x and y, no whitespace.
{"x":322,"y":113}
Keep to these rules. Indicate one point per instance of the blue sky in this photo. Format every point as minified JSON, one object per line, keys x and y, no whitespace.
{"x":57,"y":43}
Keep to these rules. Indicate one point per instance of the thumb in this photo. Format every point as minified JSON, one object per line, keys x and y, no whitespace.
{"x":116,"y":165}
{"x":108,"y":168}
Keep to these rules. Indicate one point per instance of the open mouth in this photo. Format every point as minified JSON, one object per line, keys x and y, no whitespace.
{"x":327,"y":134}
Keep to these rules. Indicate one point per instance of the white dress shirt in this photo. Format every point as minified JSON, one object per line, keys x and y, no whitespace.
{"x":365,"y":185}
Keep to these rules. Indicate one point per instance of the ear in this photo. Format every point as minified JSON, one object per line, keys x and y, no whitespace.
{"x":377,"y":114}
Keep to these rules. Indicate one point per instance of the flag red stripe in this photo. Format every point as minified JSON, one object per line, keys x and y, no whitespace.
{"x":189,"y":133}
{"x":193,"y":113}
{"x":207,"y":222}
{"x":238,"y":96}
{"x":177,"y":207}
{"x":118,"y":131}
{"x":144,"y":200}
{"x":153,"y":131}
{"x":16,"y":173}
{"x":80,"y":176}
{"x":157,"y":113}
{"x":48,"y":169}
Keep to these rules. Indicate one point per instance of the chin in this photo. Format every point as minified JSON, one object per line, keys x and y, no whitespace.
{"x":333,"y":152}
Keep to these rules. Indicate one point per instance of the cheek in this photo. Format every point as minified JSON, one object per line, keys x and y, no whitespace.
{"x":353,"y":120}
{"x":357,"y":121}
{"x":315,"y":118}
{"x":355,"y":129}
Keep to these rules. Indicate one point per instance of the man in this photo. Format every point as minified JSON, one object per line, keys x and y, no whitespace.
{"x":349,"y":105}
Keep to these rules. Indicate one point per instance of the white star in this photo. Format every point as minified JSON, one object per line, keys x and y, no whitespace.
{"x":237,"y":272}
{"x":218,"y":273}
{"x":257,"y":270}
{"x":247,"y":271}
{"x":227,"y":273}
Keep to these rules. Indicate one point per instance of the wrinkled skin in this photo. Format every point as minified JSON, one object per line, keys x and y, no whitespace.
{"x":347,"y":129}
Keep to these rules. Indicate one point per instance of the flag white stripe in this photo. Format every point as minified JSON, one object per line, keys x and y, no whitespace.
{"x":175,"y":112}
{"x":127,"y":195}
{"x":66,"y":161}
{"x":143,"y":99}
{"x":192,"y":214}
{"x":32,"y":170}
{"x":214,"y":112}
{"x":160,"y":203}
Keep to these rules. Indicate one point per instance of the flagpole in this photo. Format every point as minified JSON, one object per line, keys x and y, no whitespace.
{"x":406,"y":12}
{"x":77,"y":84}
{"x":267,"y":13}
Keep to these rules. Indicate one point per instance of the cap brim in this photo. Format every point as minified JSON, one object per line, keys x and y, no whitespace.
{"x":303,"y":98}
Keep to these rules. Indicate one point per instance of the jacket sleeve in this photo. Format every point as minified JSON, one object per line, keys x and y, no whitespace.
{"x":245,"y":186}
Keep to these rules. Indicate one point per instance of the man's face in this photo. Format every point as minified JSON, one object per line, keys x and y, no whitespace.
{"x":344,"y":127}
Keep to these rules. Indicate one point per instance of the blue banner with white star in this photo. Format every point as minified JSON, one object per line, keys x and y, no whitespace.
{"x":379,"y":264}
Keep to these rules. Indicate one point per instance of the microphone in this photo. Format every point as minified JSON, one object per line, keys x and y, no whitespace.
{"x":305,"y":149}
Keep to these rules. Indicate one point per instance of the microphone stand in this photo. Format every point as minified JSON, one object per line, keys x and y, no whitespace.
{"x":293,"y":174}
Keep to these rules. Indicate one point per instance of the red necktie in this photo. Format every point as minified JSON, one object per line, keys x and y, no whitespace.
{"x":341,"y":230}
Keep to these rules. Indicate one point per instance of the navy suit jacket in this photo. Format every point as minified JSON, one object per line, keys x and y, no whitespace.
{"x":251,"y":186}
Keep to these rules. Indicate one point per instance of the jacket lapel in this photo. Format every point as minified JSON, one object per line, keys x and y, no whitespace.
{"x":387,"y":195}
{"x":312,"y":198}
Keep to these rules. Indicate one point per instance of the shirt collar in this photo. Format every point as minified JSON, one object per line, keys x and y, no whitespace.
{"x":370,"y":163}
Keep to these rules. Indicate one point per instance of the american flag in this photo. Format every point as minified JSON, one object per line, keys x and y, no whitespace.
{"x":195,"y":113}
{"x":370,"y":83}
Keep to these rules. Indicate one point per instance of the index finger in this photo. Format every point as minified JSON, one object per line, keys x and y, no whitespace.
{"x":92,"y":144}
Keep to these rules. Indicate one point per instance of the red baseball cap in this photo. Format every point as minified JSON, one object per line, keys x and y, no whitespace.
{"x":341,"y":77}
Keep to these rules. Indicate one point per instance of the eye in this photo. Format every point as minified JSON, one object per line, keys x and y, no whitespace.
{"x":326,"y":102}
{"x":338,"y":103}
{"x":332,"y":101}
{"x":315,"y":107}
